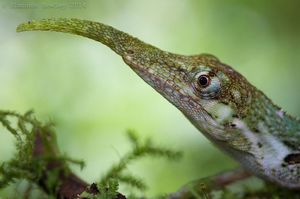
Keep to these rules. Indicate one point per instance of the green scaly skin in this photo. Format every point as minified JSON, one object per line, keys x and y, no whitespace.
{"x":228,"y":110}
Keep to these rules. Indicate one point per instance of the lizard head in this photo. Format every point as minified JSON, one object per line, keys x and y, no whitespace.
{"x":211,"y":94}
{"x":208,"y":92}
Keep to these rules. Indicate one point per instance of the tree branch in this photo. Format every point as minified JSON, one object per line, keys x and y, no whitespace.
{"x":70,"y":186}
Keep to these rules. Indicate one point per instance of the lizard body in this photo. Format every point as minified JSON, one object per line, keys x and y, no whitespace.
{"x":233,"y":114}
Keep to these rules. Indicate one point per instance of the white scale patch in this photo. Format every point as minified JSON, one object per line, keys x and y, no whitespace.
{"x":277,"y":152}
{"x":280,"y":113}
{"x":248,"y":134}
{"x":221,"y":112}
{"x":274,"y":151}
{"x":237,"y":95}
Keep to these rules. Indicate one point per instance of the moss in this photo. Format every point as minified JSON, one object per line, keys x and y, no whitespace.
{"x":36,"y":148}
{"x":39,"y":161}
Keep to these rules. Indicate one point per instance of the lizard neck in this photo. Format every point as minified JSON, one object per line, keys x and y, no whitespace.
{"x":266,"y":118}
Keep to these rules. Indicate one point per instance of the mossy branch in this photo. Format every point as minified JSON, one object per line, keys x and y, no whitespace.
{"x":235,"y":184}
{"x":39,"y":161}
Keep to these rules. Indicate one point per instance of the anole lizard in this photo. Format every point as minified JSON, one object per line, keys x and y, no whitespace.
{"x":233,"y":114}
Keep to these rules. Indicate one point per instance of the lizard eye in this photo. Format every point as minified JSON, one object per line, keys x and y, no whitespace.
{"x":204,"y":81}
{"x":207,"y":85}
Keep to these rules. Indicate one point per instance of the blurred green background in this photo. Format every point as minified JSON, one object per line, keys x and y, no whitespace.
{"x":93,"y":97}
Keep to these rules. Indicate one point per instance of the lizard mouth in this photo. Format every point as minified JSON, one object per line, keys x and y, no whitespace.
{"x":149,"y":75}
{"x":164,"y":79}
{"x":172,"y":83}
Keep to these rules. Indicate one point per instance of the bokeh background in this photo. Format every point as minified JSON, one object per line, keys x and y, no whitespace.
{"x":93,"y":97}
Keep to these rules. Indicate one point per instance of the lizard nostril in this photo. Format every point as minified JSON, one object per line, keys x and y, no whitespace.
{"x":130,"y":52}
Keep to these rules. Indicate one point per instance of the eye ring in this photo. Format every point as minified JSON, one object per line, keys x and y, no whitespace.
{"x":204,"y":81}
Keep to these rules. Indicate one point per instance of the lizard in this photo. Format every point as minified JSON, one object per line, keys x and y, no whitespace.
{"x":222,"y":104}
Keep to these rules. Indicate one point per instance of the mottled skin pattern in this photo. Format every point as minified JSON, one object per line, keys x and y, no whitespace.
{"x":220,"y":102}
